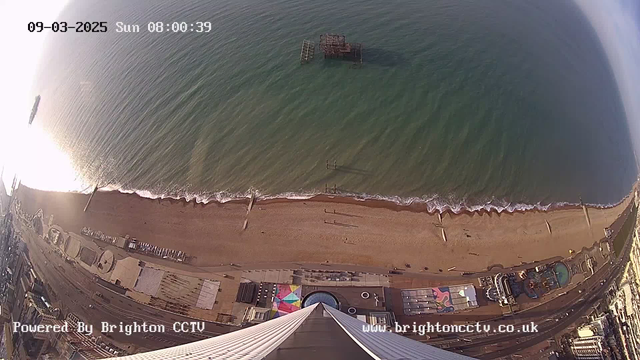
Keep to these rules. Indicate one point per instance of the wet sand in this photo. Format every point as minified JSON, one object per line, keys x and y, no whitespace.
{"x":365,"y":233}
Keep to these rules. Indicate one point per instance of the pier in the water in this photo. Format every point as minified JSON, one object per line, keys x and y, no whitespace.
{"x":333,"y":46}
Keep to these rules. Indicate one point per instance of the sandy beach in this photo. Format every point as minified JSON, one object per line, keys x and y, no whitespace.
{"x":364,"y":233}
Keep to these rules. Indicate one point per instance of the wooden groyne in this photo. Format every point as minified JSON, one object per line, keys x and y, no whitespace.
{"x":90,"y":198}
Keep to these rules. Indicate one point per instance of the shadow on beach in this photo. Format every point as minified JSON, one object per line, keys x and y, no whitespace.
{"x":341,"y":213}
{"x":348,"y":215}
{"x":340,"y":224}
{"x":344,"y":225}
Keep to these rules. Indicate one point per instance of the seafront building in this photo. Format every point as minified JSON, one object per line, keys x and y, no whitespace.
{"x":248,"y":297}
{"x":440,"y":299}
{"x":592,"y":347}
{"x":595,"y":340}
{"x":615,"y":334}
{"x":625,"y":298}
{"x":240,"y":298}
{"x":24,"y":299}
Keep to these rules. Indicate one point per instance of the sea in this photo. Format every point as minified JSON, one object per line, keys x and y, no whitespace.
{"x":466,"y":104}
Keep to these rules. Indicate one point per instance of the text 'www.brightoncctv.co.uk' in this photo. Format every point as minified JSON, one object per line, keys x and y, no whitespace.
{"x":437,"y":328}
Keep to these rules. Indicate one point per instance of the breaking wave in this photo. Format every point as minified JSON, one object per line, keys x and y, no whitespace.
{"x":434,"y":203}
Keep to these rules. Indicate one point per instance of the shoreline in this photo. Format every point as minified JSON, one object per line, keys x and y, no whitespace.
{"x":416,"y":204}
{"x":422,"y":207}
{"x":331,"y":229}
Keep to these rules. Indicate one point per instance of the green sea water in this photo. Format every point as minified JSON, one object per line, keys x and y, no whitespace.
{"x":457,"y":102}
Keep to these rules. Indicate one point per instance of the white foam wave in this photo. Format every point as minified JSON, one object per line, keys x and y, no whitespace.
{"x":433,"y":203}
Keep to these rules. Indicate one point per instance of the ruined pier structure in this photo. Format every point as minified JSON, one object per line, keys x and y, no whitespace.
{"x":333,"y":46}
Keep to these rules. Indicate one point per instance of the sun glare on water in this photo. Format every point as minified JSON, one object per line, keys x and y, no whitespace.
{"x":28,"y":153}
{"x":41,"y":164}
{"x":32,"y":155}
